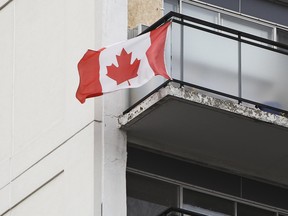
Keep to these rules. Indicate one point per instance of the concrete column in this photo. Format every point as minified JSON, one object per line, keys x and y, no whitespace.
{"x":111,"y":19}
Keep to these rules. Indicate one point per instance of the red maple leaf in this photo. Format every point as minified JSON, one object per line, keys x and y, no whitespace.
{"x":125,"y":70}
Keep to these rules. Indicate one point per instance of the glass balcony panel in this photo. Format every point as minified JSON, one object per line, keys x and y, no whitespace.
{"x":264,"y":75}
{"x":210,"y":61}
{"x":172,"y":62}
{"x":173,"y":51}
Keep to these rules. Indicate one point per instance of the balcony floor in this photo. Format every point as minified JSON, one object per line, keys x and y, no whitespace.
{"x":213,"y":131}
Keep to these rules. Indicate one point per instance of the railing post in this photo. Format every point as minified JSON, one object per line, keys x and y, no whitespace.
{"x":239,"y":67}
{"x":182,"y":51}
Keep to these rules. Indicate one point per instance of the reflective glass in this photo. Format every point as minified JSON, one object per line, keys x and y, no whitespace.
{"x":170,"y":5}
{"x":247,"y":26}
{"x":264,"y":75}
{"x":173,"y":51}
{"x":245,"y":210}
{"x":282,"y":36}
{"x":147,"y":196}
{"x":210,"y":61}
{"x":200,"y":13}
{"x":207,"y":204}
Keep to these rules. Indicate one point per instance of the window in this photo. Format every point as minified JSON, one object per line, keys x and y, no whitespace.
{"x":170,"y":5}
{"x":200,"y":13}
{"x":150,"y":196}
{"x":156,"y":182}
{"x":229,"y":19}
{"x":282,"y":36}
{"x":247,"y":26}
{"x":206,"y":204}
{"x":244,"y":210}
{"x":147,"y":196}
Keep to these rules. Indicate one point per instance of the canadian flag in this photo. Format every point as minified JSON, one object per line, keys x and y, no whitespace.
{"x":128,"y":64}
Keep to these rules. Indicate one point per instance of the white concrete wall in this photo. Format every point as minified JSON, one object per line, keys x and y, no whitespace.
{"x":57,"y":156}
{"x":50,"y":159}
{"x":59,"y":184}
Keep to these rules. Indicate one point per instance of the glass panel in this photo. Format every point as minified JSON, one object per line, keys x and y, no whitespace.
{"x":173,"y":52}
{"x":199,"y":13}
{"x":230,"y":4}
{"x":211,"y":61}
{"x":247,"y":26}
{"x":282,"y":36}
{"x":206,"y":204}
{"x":172,"y":62}
{"x":272,"y":10}
{"x":264,"y":193}
{"x":245,"y":210}
{"x":146,"y":196}
{"x":170,"y":5}
{"x":264,"y":76}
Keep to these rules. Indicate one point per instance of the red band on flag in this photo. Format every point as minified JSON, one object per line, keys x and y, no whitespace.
{"x":88,"y":68}
{"x":155,"y":53}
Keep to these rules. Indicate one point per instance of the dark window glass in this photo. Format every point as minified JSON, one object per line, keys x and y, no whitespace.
{"x":229,"y":4}
{"x":282,"y":36}
{"x":267,"y":10}
{"x":265,"y":193}
{"x":245,"y":210}
{"x":147,"y":196}
{"x":182,"y":171}
{"x":206,"y":204}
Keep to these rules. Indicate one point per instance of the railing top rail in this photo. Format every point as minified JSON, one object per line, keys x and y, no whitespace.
{"x":182,"y":19}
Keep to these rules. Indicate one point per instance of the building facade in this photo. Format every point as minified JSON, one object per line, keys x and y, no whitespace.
{"x":207,"y":143}
{"x":52,"y":147}
{"x":210,"y":142}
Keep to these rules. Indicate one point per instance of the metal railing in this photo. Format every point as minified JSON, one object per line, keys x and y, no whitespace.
{"x":187,"y":21}
{"x":179,"y":212}
{"x":227,"y":62}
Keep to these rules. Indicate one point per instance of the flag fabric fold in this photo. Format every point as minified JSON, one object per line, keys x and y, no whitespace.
{"x":128,"y":64}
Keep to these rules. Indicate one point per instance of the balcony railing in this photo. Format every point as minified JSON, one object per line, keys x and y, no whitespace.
{"x":239,"y":65}
{"x":179,"y":212}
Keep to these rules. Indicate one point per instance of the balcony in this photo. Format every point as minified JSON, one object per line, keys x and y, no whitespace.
{"x":226,"y":106}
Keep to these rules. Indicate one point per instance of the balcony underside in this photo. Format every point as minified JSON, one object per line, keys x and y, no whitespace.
{"x":217,"y":132}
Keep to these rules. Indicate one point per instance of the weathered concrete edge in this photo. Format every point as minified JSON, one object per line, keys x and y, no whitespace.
{"x":143,"y":106}
{"x":192,"y":94}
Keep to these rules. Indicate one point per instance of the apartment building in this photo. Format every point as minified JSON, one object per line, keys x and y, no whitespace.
{"x":209,"y":142}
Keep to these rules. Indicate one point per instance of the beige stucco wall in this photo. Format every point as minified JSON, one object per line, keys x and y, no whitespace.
{"x":144,"y":12}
